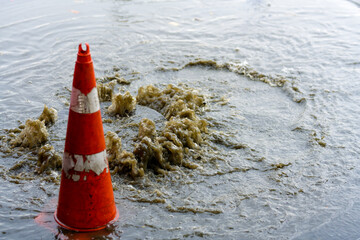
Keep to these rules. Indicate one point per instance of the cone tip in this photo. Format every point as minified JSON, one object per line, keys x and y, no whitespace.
{"x":84,"y":55}
{"x":82,"y":51}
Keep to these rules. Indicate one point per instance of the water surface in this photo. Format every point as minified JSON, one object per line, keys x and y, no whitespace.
{"x":310,"y":124}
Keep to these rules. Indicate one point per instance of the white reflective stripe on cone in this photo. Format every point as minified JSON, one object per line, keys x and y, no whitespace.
{"x":82,"y":103}
{"x":95,"y":162}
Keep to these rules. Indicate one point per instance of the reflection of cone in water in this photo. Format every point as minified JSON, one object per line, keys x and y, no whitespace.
{"x":86,"y":199}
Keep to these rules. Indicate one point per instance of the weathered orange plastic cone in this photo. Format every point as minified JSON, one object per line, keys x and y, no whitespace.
{"x":86,"y":198}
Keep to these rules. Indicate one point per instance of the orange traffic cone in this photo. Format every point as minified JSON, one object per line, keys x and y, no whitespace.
{"x":86,"y":198}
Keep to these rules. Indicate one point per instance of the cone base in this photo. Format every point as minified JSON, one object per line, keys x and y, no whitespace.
{"x":86,"y":229}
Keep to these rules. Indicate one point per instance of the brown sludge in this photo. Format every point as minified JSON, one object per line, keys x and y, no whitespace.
{"x":48,"y":158}
{"x":120,"y":161}
{"x":159,"y":151}
{"x":105,"y":90}
{"x":49,"y":116}
{"x":162,"y":150}
{"x":34,"y":134}
{"x":122,"y":104}
{"x":240,"y":69}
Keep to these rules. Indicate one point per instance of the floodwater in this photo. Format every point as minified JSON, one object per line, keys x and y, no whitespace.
{"x":282,"y":157}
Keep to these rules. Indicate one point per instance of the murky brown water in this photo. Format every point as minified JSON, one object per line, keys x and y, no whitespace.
{"x":280,"y":80}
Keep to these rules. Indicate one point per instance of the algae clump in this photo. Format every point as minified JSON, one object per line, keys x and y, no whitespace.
{"x":122,"y":104}
{"x":113,"y":146}
{"x":182,"y":131}
{"x":171,"y":101}
{"x":148,"y":150}
{"x":128,"y":163}
{"x":169,"y":147}
{"x":147,"y":129}
{"x":178,"y":106}
{"x":34,"y":134}
{"x":120,"y":161}
{"x":49,"y":116}
{"x":48,"y":158}
{"x":105,"y":91}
